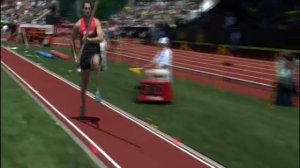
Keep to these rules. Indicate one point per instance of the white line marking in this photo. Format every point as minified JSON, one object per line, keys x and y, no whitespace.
{"x":217,"y":74}
{"x":262,"y":62}
{"x":197,"y":67}
{"x":57,"y":121}
{"x":191,"y":152}
{"x":208,"y":58}
{"x":198,"y":71}
{"x":65,"y":118}
{"x":204,"y":72}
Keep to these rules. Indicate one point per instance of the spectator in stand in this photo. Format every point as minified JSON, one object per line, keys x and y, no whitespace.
{"x":13,"y":30}
{"x":54,"y":7}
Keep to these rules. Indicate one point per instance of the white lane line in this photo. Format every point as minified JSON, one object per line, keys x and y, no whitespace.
{"x":203,"y":72}
{"x":191,"y":152}
{"x":199,"y":71}
{"x":57,"y":121}
{"x":202,"y":57}
{"x":189,"y":52}
{"x":65,"y":118}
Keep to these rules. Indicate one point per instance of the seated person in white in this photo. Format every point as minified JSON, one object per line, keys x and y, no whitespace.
{"x":161,"y":65}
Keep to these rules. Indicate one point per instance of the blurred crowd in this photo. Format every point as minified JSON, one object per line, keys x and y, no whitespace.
{"x":147,"y":14}
{"x":241,"y":17}
{"x":236,"y":22}
{"x":27,"y":11}
{"x":150,"y":20}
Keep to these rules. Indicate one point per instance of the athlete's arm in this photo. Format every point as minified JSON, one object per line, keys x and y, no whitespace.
{"x":99,"y":36}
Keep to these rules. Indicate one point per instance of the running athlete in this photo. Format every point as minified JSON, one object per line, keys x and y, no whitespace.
{"x":90,"y":57}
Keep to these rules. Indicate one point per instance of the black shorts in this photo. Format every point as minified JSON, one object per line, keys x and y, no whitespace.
{"x":86,"y":59}
{"x":290,"y":89}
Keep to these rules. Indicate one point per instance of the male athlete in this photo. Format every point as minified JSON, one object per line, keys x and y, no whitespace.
{"x":90,"y":57}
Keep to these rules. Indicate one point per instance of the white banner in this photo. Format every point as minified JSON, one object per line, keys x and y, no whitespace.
{"x":49,"y":29}
{"x":64,"y":29}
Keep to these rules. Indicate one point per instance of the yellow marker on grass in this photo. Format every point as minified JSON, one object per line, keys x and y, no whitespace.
{"x":137,"y":71}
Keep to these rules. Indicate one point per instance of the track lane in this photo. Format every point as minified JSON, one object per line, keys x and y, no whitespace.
{"x":127,"y":143}
{"x":262,"y":73}
{"x":255,"y":76}
{"x":204,"y":60}
{"x":194,"y":54}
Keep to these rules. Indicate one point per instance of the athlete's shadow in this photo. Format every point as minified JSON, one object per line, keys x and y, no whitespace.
{"x":94,"y":122}
{"x":91,"y":121}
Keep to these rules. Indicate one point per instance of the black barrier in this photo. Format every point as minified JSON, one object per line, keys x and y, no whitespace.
{"x":236,"y":50}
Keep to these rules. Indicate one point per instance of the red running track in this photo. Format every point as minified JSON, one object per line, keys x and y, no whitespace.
{"x":129,"y":144}
{"x":208,"y":66}
{"x":246,"y":76}
{"x":243,"y":68}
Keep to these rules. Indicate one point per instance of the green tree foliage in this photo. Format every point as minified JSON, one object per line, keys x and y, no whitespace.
{"x":107,"y":8}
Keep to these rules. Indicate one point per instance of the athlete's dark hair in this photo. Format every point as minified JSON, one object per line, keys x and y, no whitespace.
{"x":87,"y":1}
